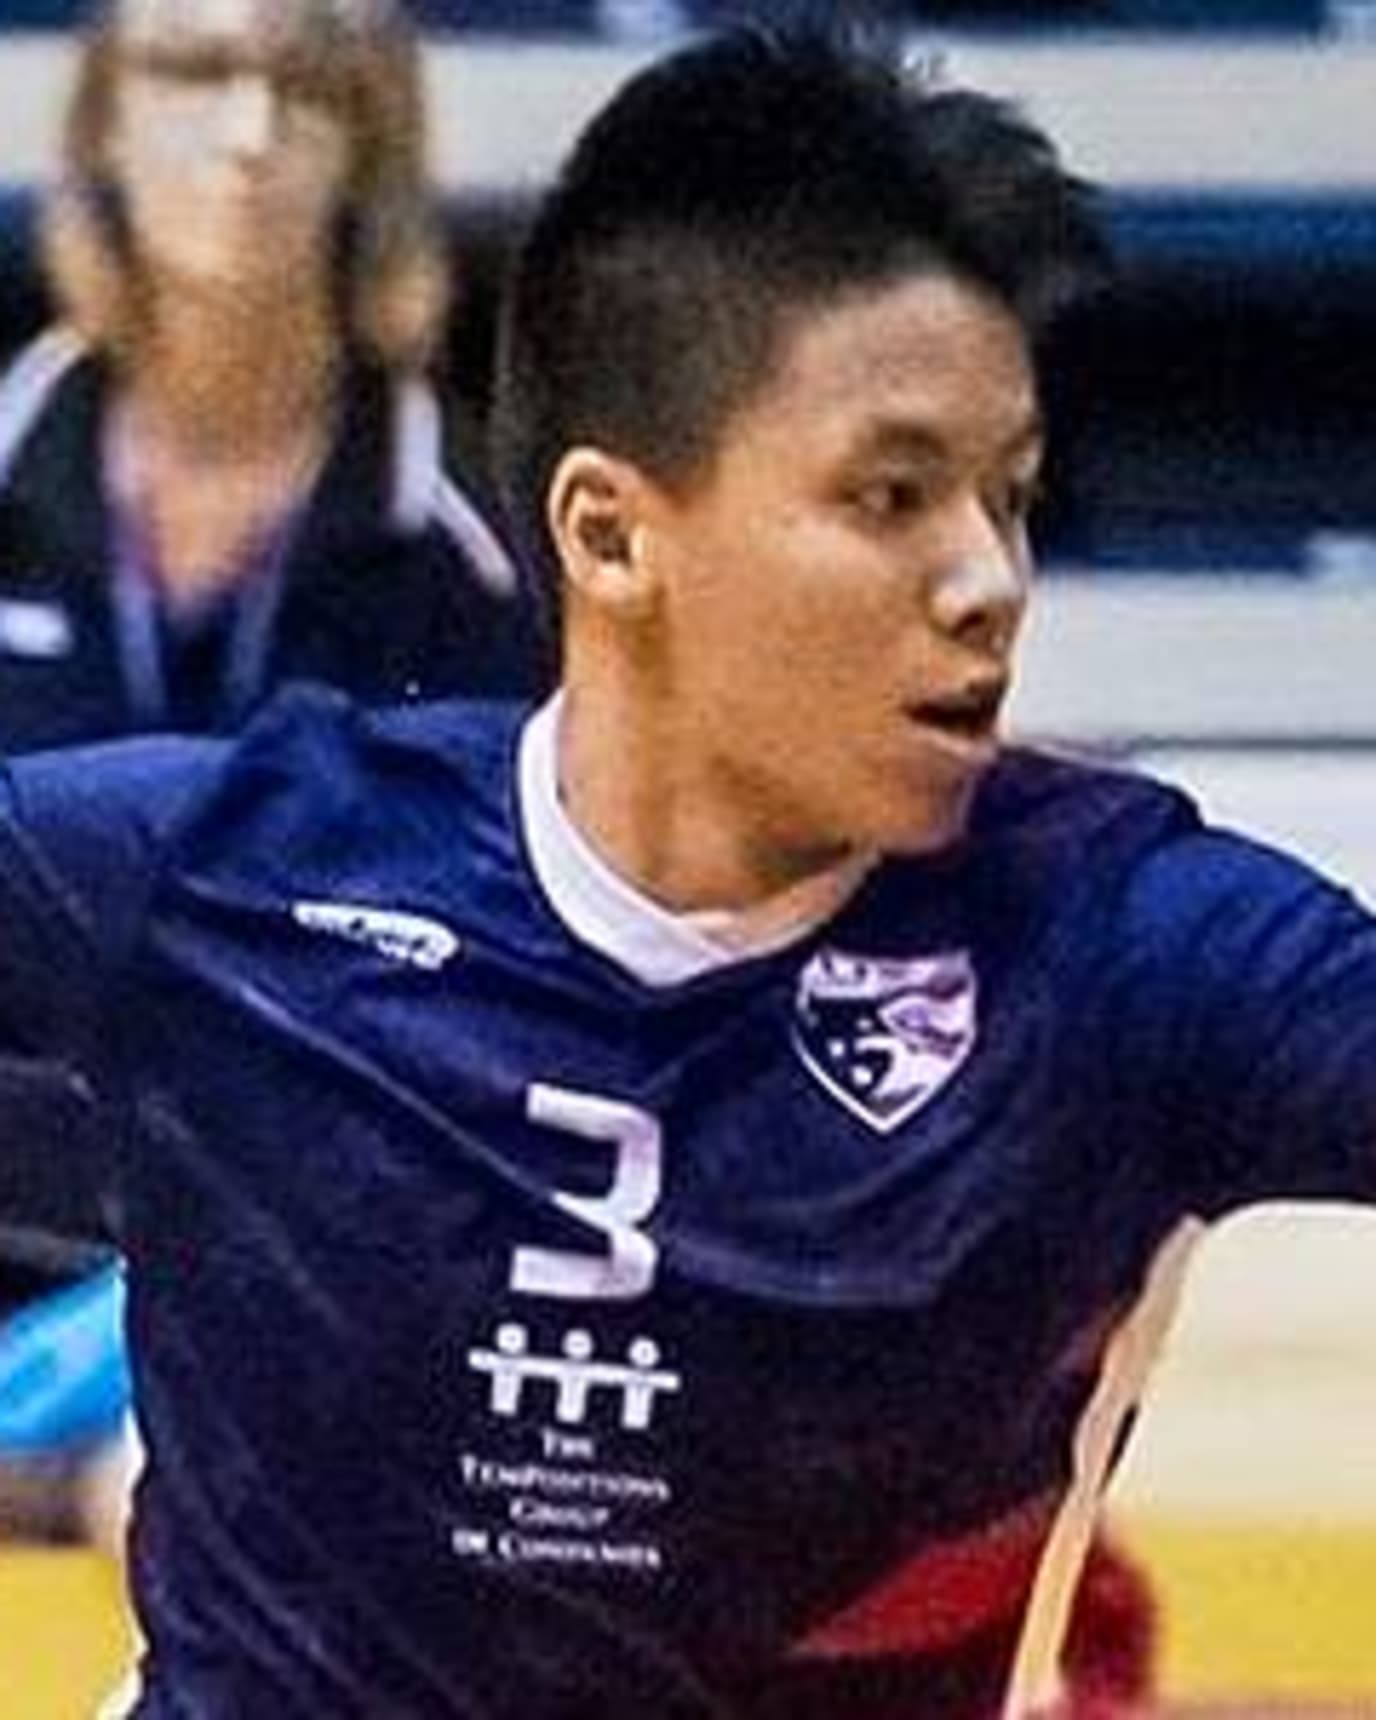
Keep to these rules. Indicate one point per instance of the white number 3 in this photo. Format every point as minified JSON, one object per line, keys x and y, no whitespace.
{"x":627,"y":1269}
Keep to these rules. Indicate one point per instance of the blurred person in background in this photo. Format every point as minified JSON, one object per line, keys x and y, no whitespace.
{"x":222,"y":468}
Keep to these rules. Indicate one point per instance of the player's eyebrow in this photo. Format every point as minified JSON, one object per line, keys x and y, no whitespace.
{"x":910,"y":438}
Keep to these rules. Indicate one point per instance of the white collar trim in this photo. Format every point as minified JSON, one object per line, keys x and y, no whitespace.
{"x":607,"y":912}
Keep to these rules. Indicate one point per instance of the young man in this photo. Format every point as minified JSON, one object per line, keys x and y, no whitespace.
{"x":646,"y":1211}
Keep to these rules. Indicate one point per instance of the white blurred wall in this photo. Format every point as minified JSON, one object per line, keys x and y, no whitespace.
{"x":1164,"y":113}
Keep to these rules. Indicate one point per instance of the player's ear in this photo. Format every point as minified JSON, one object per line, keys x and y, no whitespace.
{"x":595,"y":511}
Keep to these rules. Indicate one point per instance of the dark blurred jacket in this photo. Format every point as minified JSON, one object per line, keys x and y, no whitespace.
{"x":392,"y":584}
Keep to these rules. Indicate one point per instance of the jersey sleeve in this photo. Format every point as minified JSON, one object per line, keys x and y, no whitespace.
{"x":82,"y":833}
{"x":1251,"y":1008}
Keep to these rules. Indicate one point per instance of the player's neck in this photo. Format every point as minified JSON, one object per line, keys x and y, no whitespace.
{"x":682,"y":842}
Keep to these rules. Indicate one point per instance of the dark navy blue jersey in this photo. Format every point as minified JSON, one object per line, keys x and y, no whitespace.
{"x":517,"y":1337}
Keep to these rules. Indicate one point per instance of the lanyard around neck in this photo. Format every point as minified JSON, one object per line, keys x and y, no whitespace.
{"x":143,"y":627}
{"x":141,"y":635}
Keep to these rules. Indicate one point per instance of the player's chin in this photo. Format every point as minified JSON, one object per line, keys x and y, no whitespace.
{"x":931,"y":817}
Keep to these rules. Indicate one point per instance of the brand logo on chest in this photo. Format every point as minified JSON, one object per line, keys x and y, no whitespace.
{"x":409,"y":938}
{"x":884,"y":1034}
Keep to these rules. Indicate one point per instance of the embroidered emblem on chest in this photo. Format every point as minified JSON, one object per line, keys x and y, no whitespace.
{"x":885,"y":1035}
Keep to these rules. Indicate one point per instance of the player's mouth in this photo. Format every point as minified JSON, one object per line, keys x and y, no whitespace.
{"x":968,"y":717}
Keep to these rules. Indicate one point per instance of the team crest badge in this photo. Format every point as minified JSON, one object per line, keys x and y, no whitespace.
{"x":882,"y":1035}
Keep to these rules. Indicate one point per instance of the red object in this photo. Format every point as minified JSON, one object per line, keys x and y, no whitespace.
{"x":1111,"y":1650}
{"x":958,"y":1589}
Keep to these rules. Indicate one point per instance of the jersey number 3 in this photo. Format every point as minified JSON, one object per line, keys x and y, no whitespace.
{"x":625,"y":1268}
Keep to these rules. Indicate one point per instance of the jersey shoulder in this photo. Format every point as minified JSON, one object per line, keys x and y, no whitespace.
{"x":320,"y":790}
{"x":1122,"y":863}
{"x":1056,"y":803}
{"x":1052,"y":843}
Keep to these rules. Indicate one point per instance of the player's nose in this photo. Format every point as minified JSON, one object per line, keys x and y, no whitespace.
{"x":981,"y":592}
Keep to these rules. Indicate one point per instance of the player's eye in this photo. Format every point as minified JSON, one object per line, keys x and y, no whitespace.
{"x":890,"y":497}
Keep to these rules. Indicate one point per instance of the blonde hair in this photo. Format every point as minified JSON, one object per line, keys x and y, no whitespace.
{"x":393,"y":275}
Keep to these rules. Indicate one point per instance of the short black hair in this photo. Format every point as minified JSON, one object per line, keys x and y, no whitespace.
{"x":744,"y":177}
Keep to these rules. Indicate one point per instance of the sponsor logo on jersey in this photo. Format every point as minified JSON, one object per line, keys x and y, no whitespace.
{"x":883,"y":1034}
{"x":410,"y":938}
{"x":574,"y":1376}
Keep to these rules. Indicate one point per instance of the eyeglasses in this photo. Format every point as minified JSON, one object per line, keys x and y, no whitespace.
{"x":298,"y":77}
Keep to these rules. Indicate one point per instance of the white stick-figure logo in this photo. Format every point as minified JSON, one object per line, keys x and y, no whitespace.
{"x":575,"y":1374}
